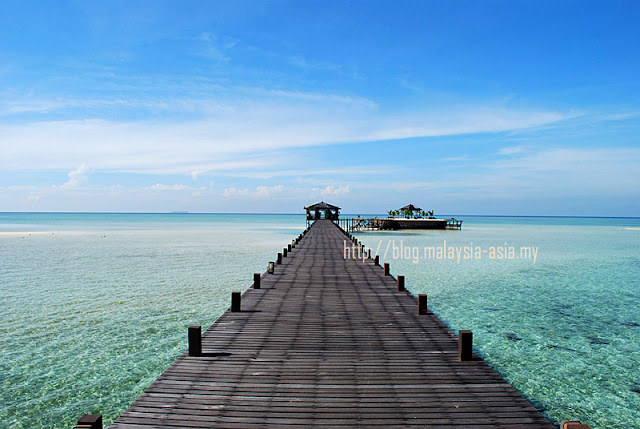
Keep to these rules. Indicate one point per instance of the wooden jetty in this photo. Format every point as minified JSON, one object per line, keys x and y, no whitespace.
{"x":329,"y":342}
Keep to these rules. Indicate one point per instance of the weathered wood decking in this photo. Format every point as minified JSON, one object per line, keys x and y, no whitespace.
{"x":328,"y":342}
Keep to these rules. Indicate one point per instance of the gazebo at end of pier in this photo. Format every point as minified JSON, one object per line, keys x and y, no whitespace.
{"x":322,"y":210}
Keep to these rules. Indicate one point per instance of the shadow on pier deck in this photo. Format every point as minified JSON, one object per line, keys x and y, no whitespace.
{"x":332,"y":343}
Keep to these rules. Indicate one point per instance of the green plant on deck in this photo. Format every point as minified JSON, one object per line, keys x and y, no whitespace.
{"x":391,"y":213}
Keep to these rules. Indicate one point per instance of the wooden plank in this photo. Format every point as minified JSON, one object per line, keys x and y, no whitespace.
{"x":329,"y":342}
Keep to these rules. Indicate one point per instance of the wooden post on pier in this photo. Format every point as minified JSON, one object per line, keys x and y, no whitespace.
{"x":376,"y":261}
{"x":422,"y":303}
{"x":465,"y":342}
{"x":271,"y":267}
{"x":236,"y":298}
{"x":284,"y":252}
{"x":195,"y":340}
{"x":256,"y":280}
{"x":279,"y":260}
{"x":288,"y":247}
{"x":400,"y":282}
{"x":89,"y":421}
{"x":386,"y":269}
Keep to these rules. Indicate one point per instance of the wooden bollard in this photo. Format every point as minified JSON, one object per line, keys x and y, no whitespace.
{"x":289,"y":247}
{"x":271,"y":267}
{"x":400,"y":283}
{"x":236,"y":298}
{"x":256,"y":280}
{"x":386,"y":269}
{"x":465,"y":343}
{"x":422,"y":303}
{"x":284,"y":252}
{"x":195,"y":340}
{"x":369,"y":253}
{"x":279,"y":260}
{"x":376,"y":261}
{"x":573,"y":424}
{"x":89,"y":421}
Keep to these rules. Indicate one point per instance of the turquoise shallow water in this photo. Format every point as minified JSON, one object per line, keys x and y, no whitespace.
{"x":95,"y":306}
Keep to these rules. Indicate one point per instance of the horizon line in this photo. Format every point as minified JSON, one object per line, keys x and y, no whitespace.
{"x":302,"y":214}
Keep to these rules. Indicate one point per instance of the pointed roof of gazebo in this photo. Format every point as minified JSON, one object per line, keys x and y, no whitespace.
{"x":322,"y":206}
{"x":410,"y":207}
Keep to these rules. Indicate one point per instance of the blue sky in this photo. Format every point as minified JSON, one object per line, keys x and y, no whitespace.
{"x":464,"y":107}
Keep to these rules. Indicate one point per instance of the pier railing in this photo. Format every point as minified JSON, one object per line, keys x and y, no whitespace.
{"x":359,"y":224}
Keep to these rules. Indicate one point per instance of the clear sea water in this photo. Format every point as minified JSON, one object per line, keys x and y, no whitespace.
{"x":95,"y":306}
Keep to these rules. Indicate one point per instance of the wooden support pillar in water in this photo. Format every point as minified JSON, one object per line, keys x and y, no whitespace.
{"x":89,"y":421}
{"x":400,"y":282}
{"x":195,"y":340}
{"x":465,"y":343}
{"x":573,"y":424}
{"x":236,"y":298}
{"x":422,"y":303}
{"x":256,"y":281}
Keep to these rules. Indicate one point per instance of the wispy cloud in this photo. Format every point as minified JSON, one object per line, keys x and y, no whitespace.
{"x":512,"y":150}
{"x":77,"y":177}
{"x":227,"y":135}
{"x":302,"y":62}
{"x":465,"y":121}
{"x":234,"y":192}
{"x":163,"y":187}
{"x":335,"y":190}
{"x":268,"y":191}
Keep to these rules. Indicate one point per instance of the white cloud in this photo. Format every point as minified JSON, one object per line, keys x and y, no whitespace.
{"x":335,"y":190}
{"x":162,"y":187}
{"x":267,"y":191}
{"x":199,"y":192}
{"x":238,"y":133}
{"x":363,"y":170}
{"x":77,"y":177}
{"x":512,"y":150}
{"x":466,"y":121}
{"x":234,"y":192}
{"x":568,"y":160}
